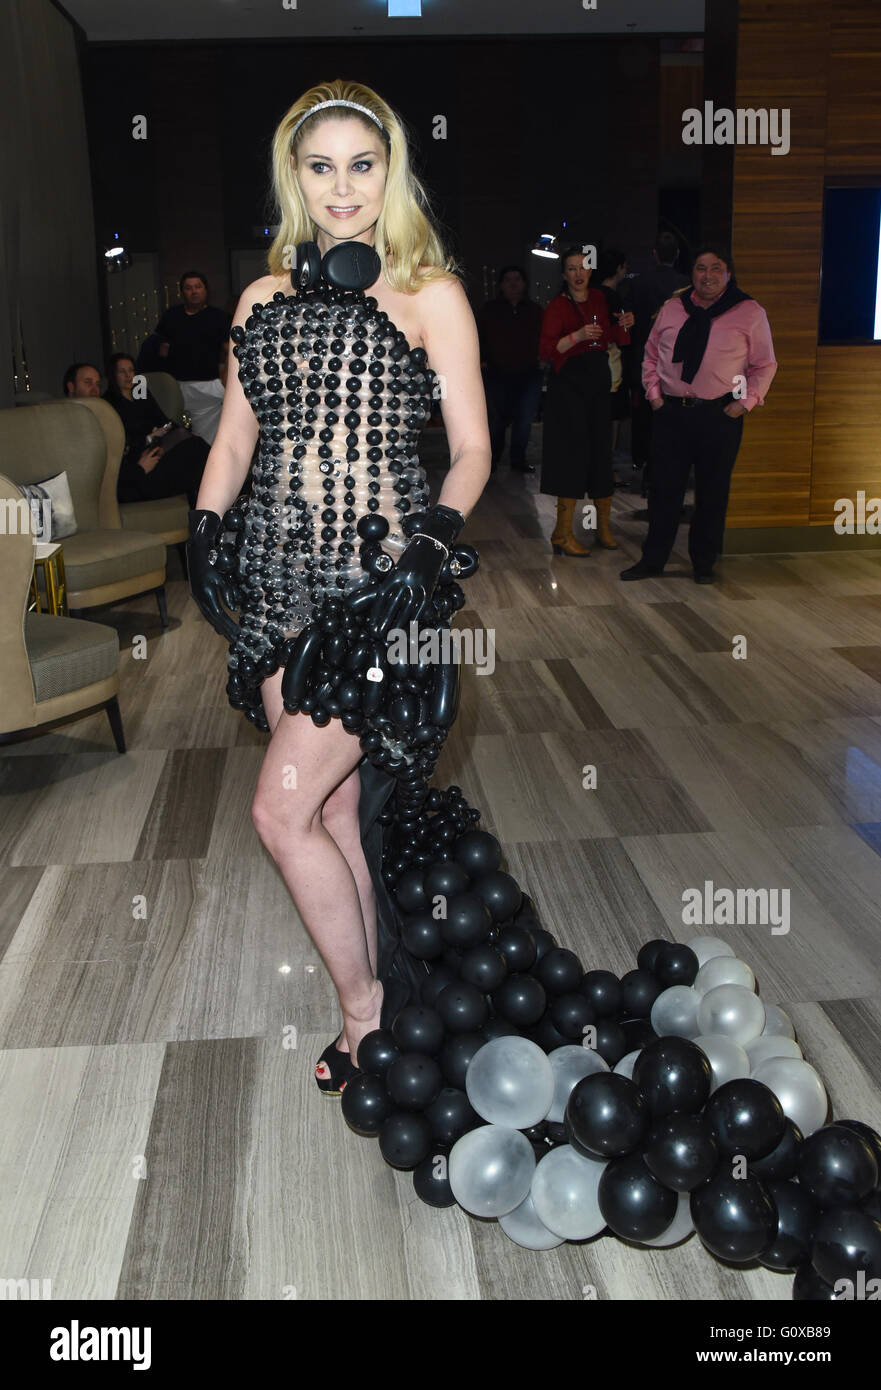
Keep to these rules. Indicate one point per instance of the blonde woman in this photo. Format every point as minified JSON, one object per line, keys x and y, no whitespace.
{"x":316,"y":387}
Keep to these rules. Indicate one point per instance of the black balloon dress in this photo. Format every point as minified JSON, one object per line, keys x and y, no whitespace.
{"x":340,"y":397}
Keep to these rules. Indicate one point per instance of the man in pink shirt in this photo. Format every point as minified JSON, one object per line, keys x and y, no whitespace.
{"x":709,"y":360}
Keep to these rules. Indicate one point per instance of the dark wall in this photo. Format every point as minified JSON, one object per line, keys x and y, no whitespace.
{"x":538,"y":131}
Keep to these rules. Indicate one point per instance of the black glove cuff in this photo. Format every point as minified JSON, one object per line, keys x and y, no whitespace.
{"x":204,"y":526}
{"x":440,"y":523}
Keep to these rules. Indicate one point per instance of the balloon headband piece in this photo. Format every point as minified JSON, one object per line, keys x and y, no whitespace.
{"x":353,"y":105}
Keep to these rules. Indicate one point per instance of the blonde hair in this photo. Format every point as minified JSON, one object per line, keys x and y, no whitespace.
{"x":408,"y":245}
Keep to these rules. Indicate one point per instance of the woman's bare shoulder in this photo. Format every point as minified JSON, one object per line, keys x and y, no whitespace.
{"x":261,"y":290}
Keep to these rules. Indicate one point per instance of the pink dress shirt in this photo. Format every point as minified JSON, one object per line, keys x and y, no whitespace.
{"x":739,"y":345}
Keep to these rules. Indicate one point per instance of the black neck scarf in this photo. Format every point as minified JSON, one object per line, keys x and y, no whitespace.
{"x":693,"y":336}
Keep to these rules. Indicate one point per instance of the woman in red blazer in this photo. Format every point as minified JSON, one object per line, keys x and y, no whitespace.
{"x":577,"y":435}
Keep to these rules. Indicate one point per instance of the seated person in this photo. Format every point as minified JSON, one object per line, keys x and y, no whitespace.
{"x":82,"y":380}
{"x":160,"y":459}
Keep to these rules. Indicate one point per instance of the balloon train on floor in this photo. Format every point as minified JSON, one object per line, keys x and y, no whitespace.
{"x":571,"y":1104}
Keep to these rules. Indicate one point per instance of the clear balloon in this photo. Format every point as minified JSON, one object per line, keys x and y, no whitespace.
{"x":724,"y":970}
{"x":675,"y":1011}
{"x":771,"y":1045}
{"x":569,"y":1065}
{"x":778,"y":1022}
{"x":510,"y":1082}
{"x":708,"y":947}
{"x":524,"y":1227}
{"x":565,"y":1193}
{"x":727,"y":1058}
{"x":732,"y":1010}
{"x":491,"y":1169}
{"x":798,"y":1088}
{"x":626,"y":1065}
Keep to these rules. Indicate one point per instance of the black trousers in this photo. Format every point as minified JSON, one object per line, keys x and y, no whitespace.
{"x":512,"y":398}
{"x":705,"y":438}
{"x":178,"y":470}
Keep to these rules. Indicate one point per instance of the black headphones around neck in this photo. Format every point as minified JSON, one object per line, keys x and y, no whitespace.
{"x":350,"y":265}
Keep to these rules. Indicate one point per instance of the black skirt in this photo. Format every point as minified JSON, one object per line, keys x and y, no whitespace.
{"x":576,"y":455}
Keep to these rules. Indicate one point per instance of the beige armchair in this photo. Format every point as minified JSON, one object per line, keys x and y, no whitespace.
{"x":104,"y":563}
{"x":52,"y":669}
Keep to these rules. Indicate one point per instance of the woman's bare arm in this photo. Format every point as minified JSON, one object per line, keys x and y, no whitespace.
{"x":227,"y":465}
{"x":450,"y":337}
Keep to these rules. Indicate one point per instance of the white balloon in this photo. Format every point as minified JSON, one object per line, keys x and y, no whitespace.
{"x":626,"y":1065}
{"x":569,"y":1065}
{"x":777,"y":1022}
{"x":724,"y":970}
{"x":768,"y":1045}
{"x":798,"y":1088}
{"x":675,"y":1012}
{"x":510,"y":1082}
{"x":523,"y":1226}
{"x":707,"y":947}
{"x":680,"y":1227}
{"x":732,"y":1010}
{"x":727,"y":1058}
{"x":564,"y":1191}
{"x":491,"y":1169}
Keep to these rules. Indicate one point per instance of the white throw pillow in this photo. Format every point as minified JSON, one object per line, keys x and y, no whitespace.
{"x":59,"y":513}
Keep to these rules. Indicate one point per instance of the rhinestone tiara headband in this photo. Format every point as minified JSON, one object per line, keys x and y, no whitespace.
{"x":353,"y":105}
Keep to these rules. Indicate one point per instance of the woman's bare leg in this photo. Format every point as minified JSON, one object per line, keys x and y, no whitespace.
{"x":307,"y":775}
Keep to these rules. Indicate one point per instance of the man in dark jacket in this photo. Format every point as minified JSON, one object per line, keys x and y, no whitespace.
{"x":190,"y":334}
{"x":509,"y":327}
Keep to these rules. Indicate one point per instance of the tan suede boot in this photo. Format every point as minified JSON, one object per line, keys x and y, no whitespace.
{"x":605,"y":539}
{"x":563,"y":538}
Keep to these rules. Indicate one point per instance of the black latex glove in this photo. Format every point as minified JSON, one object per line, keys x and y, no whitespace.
{"x":407,"y":589}
{"x":208,"y":586}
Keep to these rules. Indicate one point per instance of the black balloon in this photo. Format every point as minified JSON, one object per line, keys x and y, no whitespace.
{"x":467,"y":921}
{"x":547,"y":1036}
{"x":632,"y":1201}
{"x":808,"y":1287}
{"x":544,"y":941}
{"x":484,"y":967}
{"x":366,"y":1104}
{"x":498,"y":1027}
{"x":681,"y":1151}
{"x":444,"y":880}
{"x":675,"y":964}
{"x":782,"y":1161}
{"x":603,"y":990}
{"x":431,"y":1181}
{"x":462,"y":1008}
{"x":607,"y":1115}
{"x":872,"y":1137}
{"x":639,"y":990}
{"x":376,"y":1052}
{"x":418,"y":1029}
{"x":638,"y":1033}
{"x":478,"y":852}
{"x":837,"y":1167}
{"x":559,"y":971}
{"x":410,"y":891}
{"x":796,"y":1217}
{"x":571,"y":1014}
{"x":501,"y":894}
{"x":404,"y":1138}
{"x":735,"y":1217}
{"x":648,"y":954}
{"x":451,"y":1115}
{"x":413,"y":1081}
{"x":421,"y":935}
{"x":517,"y":946}
{"x":846,"y":1241}
{"x":611,"y":1041}
{"x":440,"y":977}
{"x":746,"y":1117}
{"x":455,"y":1055}
{"x":520,"y":999}
{"x":673,"y":1074}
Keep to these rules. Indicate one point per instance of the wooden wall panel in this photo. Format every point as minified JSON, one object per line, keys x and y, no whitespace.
{"x":819,"y":436}
{"x":847,"y":432}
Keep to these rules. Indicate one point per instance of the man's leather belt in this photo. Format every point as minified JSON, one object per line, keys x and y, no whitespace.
{"x":699,"y":400}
